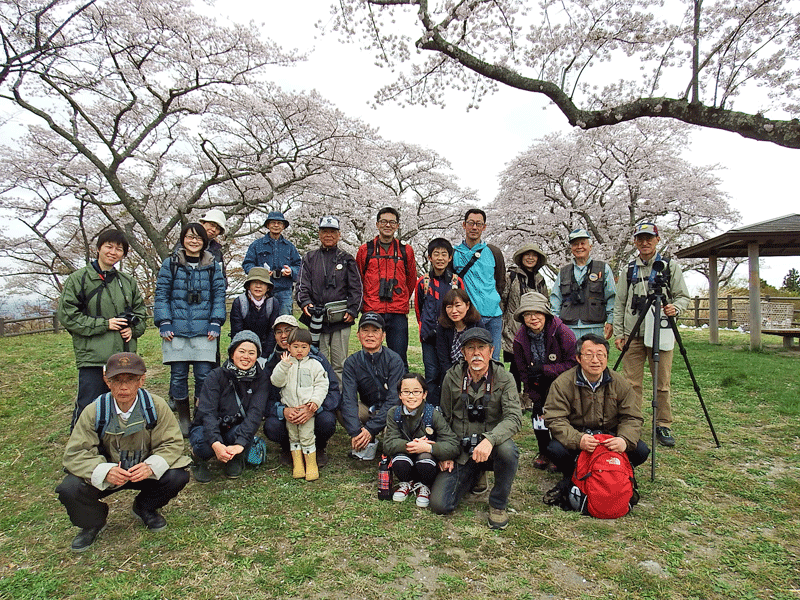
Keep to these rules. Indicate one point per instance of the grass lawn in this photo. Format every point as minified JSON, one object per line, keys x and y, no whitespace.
{"x":715,"y":523}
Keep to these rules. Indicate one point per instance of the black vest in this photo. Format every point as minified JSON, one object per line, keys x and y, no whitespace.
{"x":593,"y":308}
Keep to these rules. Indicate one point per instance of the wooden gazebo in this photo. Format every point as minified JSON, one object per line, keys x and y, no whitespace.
{"x":777,"y":237}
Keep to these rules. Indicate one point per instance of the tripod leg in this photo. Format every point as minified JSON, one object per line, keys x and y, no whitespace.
{"x":685,"y":356}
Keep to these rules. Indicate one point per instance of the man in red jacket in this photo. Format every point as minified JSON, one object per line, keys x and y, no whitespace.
{"x":389,"y":273}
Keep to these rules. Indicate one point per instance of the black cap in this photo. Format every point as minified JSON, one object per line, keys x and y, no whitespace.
{"x":371,"y":318}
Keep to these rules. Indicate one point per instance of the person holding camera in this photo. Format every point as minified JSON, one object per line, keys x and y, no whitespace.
{"x":584,"y":291}
{"x":104,"y":312}
{"x":330,"y":293}
{"x":277,"y":255}
{"x":479,"y":401}
{"x":633,"y":288}
{"x":389,"y":272}
{"x":230,"y":409}
{"x":189,"y":312}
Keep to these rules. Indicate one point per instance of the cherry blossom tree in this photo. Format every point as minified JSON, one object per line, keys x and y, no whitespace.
{"x":155,"y":116}
{"x":601,"y":62}
{"x":606,"y":182}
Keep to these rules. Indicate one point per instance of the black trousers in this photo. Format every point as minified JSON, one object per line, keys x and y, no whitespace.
{"x":82,"y":500}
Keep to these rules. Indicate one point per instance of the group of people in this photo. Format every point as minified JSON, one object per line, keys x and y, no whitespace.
{"x":442,"y":431}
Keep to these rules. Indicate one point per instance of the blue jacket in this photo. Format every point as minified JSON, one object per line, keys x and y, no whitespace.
{"x":486,"y":278}
{"x":273,"y":254}
{"x":175,"y":286}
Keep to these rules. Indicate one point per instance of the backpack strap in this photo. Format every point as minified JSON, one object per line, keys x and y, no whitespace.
{"x":102,"y":415}
{"x":244,"y":305}
{"x":475,"y":256}
{"x":148,"y":408}
{"x":400,"y":253}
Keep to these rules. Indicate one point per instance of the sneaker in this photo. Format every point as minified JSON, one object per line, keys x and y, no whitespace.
{"x":151,"y":519}
{"x":552,"y":468}
{"x":498,"y":518}
{"x":423,"y":495}
{"x":664,"y":436}
{"x":234,"y":467}
{"x":404,"y":490}
{"x":540,"y":462}
{"x":367,"y":453}
{"x":85,"y":538}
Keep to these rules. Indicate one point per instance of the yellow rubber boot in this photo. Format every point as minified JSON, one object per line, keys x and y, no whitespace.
{"x":298,"y":472}
{"x":312,"y":472}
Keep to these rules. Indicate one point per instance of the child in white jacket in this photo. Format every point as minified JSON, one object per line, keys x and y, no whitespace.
{"x":303,"y":381}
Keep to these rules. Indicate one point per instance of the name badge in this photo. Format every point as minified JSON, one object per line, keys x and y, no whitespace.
{"x":429,"y":430}
{"x":339,"y":267}
{"x":593,"y":277}
{"x":552,"y":358}
{"x":538,"y":424}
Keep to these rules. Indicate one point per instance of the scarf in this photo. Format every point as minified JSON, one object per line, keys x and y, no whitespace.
{"x":537,"y":346}
{"x":238,"y":373}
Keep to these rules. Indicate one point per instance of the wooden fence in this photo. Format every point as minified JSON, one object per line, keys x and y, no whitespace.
{"x":695,"y":315}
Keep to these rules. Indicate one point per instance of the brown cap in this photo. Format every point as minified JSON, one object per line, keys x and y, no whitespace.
{"x":124,"y":362}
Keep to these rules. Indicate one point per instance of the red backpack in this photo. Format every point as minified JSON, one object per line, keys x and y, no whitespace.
{"x":605,"y":482}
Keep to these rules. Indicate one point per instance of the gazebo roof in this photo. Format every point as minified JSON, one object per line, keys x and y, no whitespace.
{"x":777,"y":237}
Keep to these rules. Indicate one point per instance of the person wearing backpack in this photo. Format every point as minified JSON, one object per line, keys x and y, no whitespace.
{"x":189,"y":311}
{"x":256,"y":309}
{"x":136,"y":445}
{"x":417,"y":437}
{"x":389,"y":272}
{"x":590,"y":399}
{"x":104,"y":313}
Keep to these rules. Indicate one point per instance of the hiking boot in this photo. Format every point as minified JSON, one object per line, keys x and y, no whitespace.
{"x":540,"y":462}
{"x":664,"y":436}
{"x":322,"y":458}
{"x":552,"y":468}
{"x":286,"y":458}
{"x":423,"y":495}
{"x":498,"y":518}
{"x":184,"y":417}
{"x":85,"y":538}
{"x":482,"y":484}
{"x":234,"y":467}
{"x":151,"y":519}
{"x":404,"y":490}
{"x":200,"y":470}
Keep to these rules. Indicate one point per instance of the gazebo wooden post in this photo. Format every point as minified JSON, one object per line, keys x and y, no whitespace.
{"x":755,"y":297}
{"x":713,"y":300}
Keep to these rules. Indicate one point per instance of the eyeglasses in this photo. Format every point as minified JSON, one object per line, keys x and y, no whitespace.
{"x":593,"y":355}
{"x":412,"y":393}
{"x":386,"y":222}
{"x":193,"y":238}
{"x":284,"y":330}
{"x":474,"y":223}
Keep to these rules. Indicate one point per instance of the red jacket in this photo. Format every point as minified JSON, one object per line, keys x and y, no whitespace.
{"x":387,"y":266}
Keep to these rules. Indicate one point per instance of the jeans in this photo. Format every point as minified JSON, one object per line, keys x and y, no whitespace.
{"x":495,"y":326}
{"x":564,"y":458}
{"x":451,"y":486}
{"x":201,"y":445}
{"x":397,"y":334}
{"x":90,"y":385}
{"x":284,"y":300}
{"x":432,"y":374}
{"x":179,"y":378}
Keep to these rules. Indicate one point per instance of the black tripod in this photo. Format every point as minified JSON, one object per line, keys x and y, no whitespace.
{"x":655,"y":300}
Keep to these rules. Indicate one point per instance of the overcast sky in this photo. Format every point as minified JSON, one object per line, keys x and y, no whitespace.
{"x":757,"y":175}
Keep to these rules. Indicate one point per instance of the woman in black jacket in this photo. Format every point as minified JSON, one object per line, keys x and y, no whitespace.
{"x":230,"y":409}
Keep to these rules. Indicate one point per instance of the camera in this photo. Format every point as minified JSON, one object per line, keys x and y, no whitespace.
{"x":330,"y":280}
{"x":470,"y":442}
{"x":193,"y":297}
{"x":229,"y":421}
{"x":476,"y":413}
{"x":130,"y":317}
